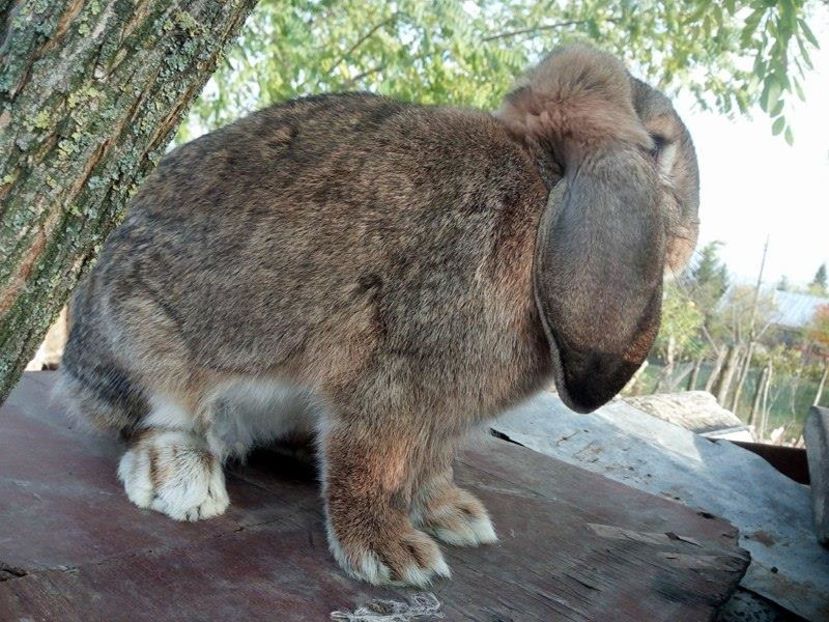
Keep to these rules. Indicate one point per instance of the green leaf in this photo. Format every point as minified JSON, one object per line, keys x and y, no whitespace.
{"x":771,"y":93}
{"x":807,"y":32}
{"x":799,"y":90}
{"x":751,"y":23}
{"x":778,"y":125}
{"x":789,"y":136}
{"x":778,"y":108}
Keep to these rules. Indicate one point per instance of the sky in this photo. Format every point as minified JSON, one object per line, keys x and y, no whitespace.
{"x":753,"y":184}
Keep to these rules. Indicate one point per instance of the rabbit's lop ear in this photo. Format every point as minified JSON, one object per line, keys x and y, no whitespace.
{"x":601,"y":242}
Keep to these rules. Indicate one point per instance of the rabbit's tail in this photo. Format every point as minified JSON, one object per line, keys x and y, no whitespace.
{"x":101,"y":394}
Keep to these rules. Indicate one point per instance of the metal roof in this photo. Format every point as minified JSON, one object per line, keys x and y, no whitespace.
{"x":794,"y":310}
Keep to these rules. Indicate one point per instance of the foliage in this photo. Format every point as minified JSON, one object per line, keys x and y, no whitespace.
{"x":708,"y":276}
{"x":818,"y":284}
{"x":731,"y":55}
{"x":681,"y":321}
{"x":818,"y":330}
{"x":736,"y":310}
{"x":785,"y":360}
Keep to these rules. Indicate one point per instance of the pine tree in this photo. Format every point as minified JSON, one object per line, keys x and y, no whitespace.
{"x":818,"y":284}
{"x":709,"y":276}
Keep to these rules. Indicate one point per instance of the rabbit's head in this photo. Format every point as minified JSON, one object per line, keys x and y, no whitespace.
{"x":622,"y":211}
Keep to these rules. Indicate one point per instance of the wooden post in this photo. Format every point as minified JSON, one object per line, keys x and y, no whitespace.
{"x":816,"y":433}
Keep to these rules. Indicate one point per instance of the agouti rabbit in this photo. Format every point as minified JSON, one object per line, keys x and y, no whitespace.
{"x":383,"y":275}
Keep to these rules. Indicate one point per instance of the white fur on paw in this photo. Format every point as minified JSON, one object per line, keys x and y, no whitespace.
{"x":367,"y":566}
{"x":174,"y":473}
{"x":469,"y":531}
{"x":455,"y":517}
{"x":422,"y":577}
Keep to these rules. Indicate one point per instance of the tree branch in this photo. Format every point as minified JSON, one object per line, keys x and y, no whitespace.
{"x":538,"y":29}
{"x":360,"y":42}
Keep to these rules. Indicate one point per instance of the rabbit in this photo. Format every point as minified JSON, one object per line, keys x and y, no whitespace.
{"x":383,"y":277}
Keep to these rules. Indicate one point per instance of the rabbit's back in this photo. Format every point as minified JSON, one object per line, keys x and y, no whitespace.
{"x":311,"y":233}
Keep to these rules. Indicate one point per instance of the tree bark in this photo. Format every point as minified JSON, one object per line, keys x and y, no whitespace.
{"x":715,"y":373}
{"x":728,"y":374}
{"x":745,"y":368}
{"x":764,"y":419}
{"x":821,"y":385}
{"x":692,"y":381}
{"x":668,"y":368}
{"x":90,"y":95}
{"x":631,"y":388}
{"x":758,"y":394}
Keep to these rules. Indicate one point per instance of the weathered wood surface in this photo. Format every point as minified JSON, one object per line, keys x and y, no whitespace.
{"x":574,"y":545}
{"x":772,"y":512}
{"x":697,"y":411}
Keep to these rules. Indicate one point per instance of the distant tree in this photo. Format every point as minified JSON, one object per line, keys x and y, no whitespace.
{"x":783,"y":285}
{"x":708,"y":277}
{"x":704,"y":283}
{"x":681,"y":323}
{"x":743,"y":317}
{"x":780,"y":364}
{"x":818,"y":284}
{"x":817,"y":333}
{"x":818,"y":329}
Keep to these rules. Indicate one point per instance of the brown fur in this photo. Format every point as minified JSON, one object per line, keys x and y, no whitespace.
{"x":408,"y":266}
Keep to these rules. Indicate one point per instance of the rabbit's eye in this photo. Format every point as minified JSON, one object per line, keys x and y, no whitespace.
{"x":659,"y":143}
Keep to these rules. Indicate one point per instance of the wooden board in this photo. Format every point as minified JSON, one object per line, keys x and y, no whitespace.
{"x":574,"y":545}
{"x":816,"y":432}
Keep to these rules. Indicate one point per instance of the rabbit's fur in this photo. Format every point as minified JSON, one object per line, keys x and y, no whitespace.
{"x":383,"y":276}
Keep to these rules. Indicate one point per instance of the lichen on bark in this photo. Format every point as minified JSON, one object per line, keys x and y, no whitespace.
{"x":91,"y":92}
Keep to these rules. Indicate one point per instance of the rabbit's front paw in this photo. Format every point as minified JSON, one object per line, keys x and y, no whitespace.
{"x":454,"y":516}
{"x":174,"y":473}
{"x":411,"y":558}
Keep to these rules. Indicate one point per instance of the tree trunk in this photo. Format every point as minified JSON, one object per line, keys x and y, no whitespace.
{"x":821,"y":385}
{"x":758,"y":394}
{"x":668,"y":369}
{"x":764,"y":419}
{"x":630,"y":387}
{"x":745,"y":368}
{"x":90,"y":95}
{"x":715,"y":373}
{"x":793,"y":395}
{"x":692,"y":380}
{"x":728,"y":374}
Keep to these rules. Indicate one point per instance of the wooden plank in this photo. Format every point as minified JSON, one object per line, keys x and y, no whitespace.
{"x":574,"y":545}
{"x":816,"y":433}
